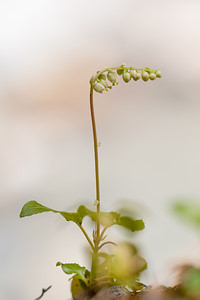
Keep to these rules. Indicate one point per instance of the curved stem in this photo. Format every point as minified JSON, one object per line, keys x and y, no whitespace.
{"x":105,"y":243}
{"x":96,"y":161}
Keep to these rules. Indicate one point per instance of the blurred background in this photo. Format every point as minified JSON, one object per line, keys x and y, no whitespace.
{"x":149,"y":132}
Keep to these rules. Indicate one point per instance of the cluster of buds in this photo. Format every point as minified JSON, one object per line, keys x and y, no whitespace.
{"x":100,"y":84}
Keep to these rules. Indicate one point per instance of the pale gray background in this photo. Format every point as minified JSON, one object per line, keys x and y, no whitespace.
{"x":149,"y":131}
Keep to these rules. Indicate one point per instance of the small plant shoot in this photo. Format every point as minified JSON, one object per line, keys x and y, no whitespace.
{"x":123,"y":265}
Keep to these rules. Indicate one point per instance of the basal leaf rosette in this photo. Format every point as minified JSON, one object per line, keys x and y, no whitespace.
{"x":107,"y":78}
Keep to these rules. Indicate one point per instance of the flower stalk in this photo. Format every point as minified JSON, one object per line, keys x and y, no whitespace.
{"x":99,"y":84}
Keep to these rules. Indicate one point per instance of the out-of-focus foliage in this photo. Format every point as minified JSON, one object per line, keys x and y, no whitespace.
{"x":120,"y":267}
{"x":191,"y":283}
{"x":187,"y":211}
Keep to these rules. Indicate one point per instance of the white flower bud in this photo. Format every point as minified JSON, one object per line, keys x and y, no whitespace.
{"x":158,"y":74}
{"x":145,"y":75}
{"x":99,"y":88}
{"x":102,"y":81}
{"x":112,"y":77}
{"x":134,"y":74}
{"x":126,"y":77}
{"x":152,"y":76}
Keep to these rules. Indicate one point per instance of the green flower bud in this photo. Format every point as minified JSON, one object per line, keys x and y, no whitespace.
{"x":126,"y":77}
{"x":99,"y":88}
{"x":104,"y":83}
{"x":152,"y":76}
{"x":111,"y":76}
{"x":158,"y":74}
{"x":102,"y":76}
{"x":135,"y":75}
{"x":145,"y":75}
{"x":120,"y":71}
{"x":138,"y":76}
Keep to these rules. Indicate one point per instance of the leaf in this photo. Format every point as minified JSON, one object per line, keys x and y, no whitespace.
{"x":131,"y":224}
{"x":84,"y":211}
{"x":33,"y":207}
{"x":189,"y":212}
{"x":112,"y":218}
{"x":105,"y":218}
{"x":77,"y":287}
{"x":72,"y":268}
{"x":109,"y":218}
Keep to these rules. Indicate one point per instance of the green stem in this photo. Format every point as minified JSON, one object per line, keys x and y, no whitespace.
{"x":86,"y":235}
{"x":93,"y":274}
{"x":96,"y":162}
{"x":101,"y":235}
{"x":97,"y":233}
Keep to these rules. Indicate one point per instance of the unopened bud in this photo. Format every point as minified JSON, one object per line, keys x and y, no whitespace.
{"x":102,"y":76}
{"x":112,"y":76}
{"x":102,"y":81}
{"x":120,"y":71}
{"x":126,"y":77}
{"x":145,"y":75}
{"x":99,"y":88}
{"x":152,"y":76}
{"x":158,"y":74}
{"x":134,"y":74}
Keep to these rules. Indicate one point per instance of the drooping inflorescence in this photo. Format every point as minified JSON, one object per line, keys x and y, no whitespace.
{"x":100,"y":82}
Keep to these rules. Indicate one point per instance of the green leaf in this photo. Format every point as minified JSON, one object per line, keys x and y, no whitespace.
{"x":84,"y":211}
{"x":77,"y":287}
{"x":105,"y":218}
{"x":189,"y":212}
{"x":72,"y":268}
{"x":131,"y":224}
{"x":33,"y":207}
{"x":109,"y":218}
{"x":112,"y":218}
